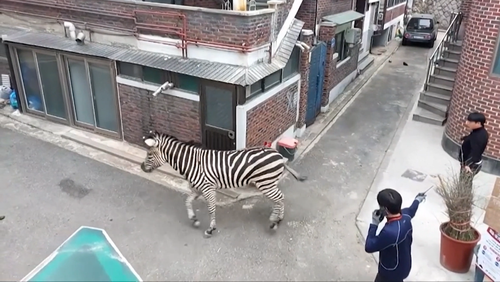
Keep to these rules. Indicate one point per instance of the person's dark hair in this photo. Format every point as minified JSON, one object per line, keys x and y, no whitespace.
{"x":390,"y":199}
{"x":477,"y":117}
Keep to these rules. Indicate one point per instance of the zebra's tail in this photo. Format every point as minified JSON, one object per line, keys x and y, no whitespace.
{"x":295,"y":174}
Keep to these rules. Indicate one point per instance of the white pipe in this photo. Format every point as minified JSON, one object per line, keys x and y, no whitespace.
{"x":72,"y":29}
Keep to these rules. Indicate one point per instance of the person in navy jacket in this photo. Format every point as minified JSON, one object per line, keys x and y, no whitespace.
{"x":394,"y":240}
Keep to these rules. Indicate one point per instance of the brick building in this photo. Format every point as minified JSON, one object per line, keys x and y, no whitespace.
{"x":335,"y":57}
{"x":477,"y":83}
{"x":232,"y":75}
{"x":390,"y":16}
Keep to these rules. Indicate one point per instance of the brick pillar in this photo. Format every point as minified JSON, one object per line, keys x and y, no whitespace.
{"x":326,"y":33}
{"x":306,"y":37}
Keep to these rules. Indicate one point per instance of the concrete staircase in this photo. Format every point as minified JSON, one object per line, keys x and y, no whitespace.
{"x":436,"y":96}
{"x":441,"y":71}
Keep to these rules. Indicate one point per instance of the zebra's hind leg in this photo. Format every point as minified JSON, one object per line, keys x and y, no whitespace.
{"x":275,"y":195}
{"x":189,"y":205}
{"x":210,"y":197}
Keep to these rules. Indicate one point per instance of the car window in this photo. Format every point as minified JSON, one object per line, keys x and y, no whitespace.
{"x":420,"y":24}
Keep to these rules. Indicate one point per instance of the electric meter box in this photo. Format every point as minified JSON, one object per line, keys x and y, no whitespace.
{"x":353,"y":35}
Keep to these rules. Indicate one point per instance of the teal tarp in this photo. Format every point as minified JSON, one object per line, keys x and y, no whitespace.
{"x":88,"y":255}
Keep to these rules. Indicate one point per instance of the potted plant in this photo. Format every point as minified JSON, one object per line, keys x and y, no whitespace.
{"x":458,"y":237}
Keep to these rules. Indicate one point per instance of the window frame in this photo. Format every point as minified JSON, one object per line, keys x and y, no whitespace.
{"x":3,"y":51}
{"x":345,"y":52}
{"x":496,"y":58}
{"x":165,"y":76}
{"x":292,"y":67}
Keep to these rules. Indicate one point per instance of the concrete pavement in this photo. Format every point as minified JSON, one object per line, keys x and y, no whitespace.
{"x":419,"y":150}
{"x":52,"y":191}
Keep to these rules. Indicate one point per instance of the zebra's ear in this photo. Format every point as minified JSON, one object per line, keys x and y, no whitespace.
{"x":151,"y":142}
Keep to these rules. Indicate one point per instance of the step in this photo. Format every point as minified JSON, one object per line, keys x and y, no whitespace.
{"x":434,"y":108}
{"x":439,"y":88}
{"x":442,"y":79}
{"x":452,"y":54}
{"x":449,"y":63}
{"x":425,"y":116}
{"x":434,"y":98}
{"x":456,"y":46}
{"x":444,"y":71}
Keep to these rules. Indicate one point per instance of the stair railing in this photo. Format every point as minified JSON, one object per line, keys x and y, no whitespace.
{"x":451,"y":36}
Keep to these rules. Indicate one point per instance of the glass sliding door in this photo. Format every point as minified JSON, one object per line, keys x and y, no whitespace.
{"x":51,"y":85}
{"x":30,"y":82}
{"x":81,"y":93}
{"x":103,"y":90}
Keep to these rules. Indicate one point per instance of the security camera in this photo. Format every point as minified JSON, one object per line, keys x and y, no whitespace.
{"x":165,"y":86}
{"x":80,"y":38}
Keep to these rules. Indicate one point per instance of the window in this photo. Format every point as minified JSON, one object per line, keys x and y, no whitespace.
{"x":51,"y":85}
{"x":272,"y":80}
{"x":420,"y":24}
{"x":158,"y":76}
{"x":187,"y":82}
{"x":3,"y":50}
{"x":30,"y":81}
{"x":292,"y":66}
{"x":342,"y":48}
{"x":152,"y":75}
{"x":496,"y":63}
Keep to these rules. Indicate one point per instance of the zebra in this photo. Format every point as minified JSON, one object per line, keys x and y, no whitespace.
{"x":207,"y":170}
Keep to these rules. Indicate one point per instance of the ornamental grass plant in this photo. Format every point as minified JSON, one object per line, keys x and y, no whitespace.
{"x":457,"y":192}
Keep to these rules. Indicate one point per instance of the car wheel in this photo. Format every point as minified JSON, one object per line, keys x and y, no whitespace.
{"x":431,"y":44}
{"x":404,"y":42}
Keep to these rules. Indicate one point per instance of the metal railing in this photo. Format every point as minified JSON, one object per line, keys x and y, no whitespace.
{"x":451,"y":36}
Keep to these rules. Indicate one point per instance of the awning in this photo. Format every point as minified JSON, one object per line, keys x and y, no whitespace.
{"x":344,"y":17}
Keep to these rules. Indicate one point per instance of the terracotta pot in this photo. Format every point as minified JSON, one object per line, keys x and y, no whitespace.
{"x":455,"y":255}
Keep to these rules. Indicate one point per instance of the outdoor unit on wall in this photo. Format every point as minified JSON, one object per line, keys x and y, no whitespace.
{"x":353,"y":35}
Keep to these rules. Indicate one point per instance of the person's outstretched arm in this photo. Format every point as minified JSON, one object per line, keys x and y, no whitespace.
{"x":412,"y":210}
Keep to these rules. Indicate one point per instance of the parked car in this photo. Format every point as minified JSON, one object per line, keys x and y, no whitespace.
{"x":421,"y":28}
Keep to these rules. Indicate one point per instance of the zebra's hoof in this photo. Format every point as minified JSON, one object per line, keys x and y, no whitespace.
{"x":196,"y":223}
{"x":207,"y":234}
{"x":274,"y":226}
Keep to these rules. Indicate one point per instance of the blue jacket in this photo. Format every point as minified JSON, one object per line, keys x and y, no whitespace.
{"x":394,"y":245}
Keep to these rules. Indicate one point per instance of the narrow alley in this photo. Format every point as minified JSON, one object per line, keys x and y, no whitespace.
{"x":318,"y":240}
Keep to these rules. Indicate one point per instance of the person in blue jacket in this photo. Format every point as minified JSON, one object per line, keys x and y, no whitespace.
{"x":394,"y":240}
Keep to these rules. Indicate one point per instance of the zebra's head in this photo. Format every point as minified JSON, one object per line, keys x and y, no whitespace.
{"x":154,"y":157}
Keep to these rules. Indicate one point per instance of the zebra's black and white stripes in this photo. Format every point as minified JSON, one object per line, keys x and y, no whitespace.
{"x":208,"y":170}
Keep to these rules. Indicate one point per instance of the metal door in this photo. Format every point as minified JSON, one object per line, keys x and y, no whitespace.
{"x":316,"y":77}
{"x":218,"y":117}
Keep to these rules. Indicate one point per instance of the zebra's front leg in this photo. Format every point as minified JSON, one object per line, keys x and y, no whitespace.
{"x":211,"y":202}
{"x":189,"y":205}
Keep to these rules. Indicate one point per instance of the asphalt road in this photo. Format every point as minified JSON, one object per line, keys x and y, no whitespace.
{"x":47,"y":193}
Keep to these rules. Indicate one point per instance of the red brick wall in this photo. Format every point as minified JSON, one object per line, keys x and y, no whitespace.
{"x":307,"y":12}
{"x":141,"y":112}
{"x":394,"y":13}
{"x":268,"y":120}
{"x":123,"y":16}
{"x":475,"y":88}
{"x":334,"y":75}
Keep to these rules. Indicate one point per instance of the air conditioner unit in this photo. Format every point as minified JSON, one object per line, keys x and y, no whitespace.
{"x":353,"y":35}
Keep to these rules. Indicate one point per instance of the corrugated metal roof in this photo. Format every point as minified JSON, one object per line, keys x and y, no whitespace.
{"x":199,"y":68}
{"x":344,"y":17}
{"x":7,"y":30}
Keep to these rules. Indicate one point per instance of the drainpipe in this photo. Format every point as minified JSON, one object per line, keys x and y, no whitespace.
{"x":72,"y":29}
{"x":13,"y":82}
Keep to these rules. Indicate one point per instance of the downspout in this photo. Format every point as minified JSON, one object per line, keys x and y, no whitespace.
{"x":71,"y":28}
{"x":13,"y":82}
{"x":316,"y":20}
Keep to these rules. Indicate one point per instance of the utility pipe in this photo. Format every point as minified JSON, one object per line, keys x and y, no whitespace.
{"x":71,"y":28}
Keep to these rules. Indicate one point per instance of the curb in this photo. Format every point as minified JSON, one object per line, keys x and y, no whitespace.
{"x":341,"y":103}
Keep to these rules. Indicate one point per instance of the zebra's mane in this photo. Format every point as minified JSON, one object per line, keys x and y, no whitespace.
{"x":164,"y":136}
